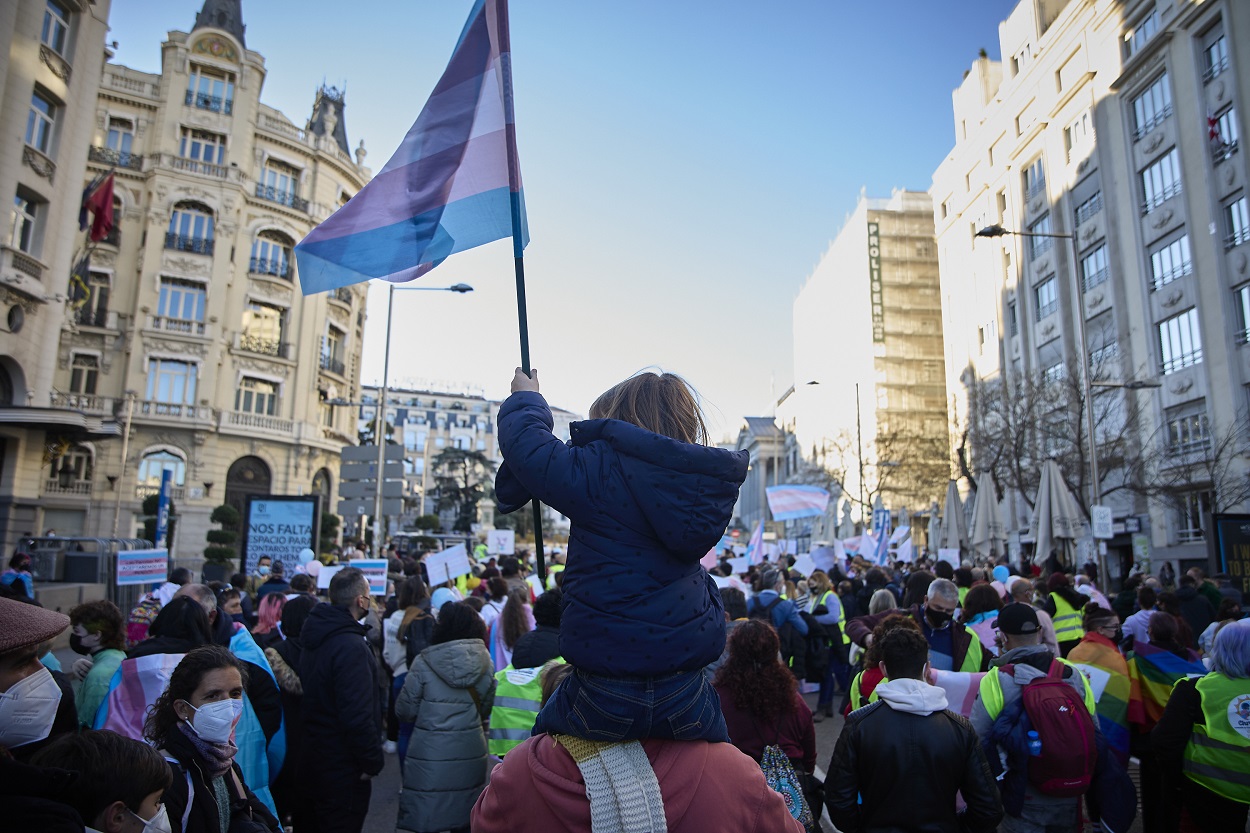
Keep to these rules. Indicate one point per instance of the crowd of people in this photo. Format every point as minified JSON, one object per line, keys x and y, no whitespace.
{"x":634,"y":689}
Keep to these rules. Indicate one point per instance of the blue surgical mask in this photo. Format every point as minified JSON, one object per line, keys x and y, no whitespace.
{"x":263,"y":569}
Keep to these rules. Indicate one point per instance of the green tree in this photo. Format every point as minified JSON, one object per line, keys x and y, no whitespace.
{"x":221,"y":542}
{"x":462,"y":478}
{"x":329,"y":532}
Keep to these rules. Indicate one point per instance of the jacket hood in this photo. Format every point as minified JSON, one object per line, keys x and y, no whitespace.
{"x":1030,"y":662}
{"x":326,"y":621}
{"x":459,"y":663}
{"x":912,"y":696}
{"x":686,"y":491}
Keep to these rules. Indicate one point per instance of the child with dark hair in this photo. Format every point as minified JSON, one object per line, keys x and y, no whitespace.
{"x":98,"y":634}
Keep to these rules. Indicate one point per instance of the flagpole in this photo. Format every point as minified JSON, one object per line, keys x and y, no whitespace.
{"x":518,"y":246}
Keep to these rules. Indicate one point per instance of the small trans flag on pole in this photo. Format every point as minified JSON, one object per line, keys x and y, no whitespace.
{"x":790,"y":502}
{"x":755,"y":547}
{"x":446,"y":189}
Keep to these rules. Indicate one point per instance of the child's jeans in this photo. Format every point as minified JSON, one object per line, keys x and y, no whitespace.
{"x":681,"y":706}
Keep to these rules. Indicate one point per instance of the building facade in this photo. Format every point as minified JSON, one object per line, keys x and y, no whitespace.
{"x":1115,"y":126}
{"x":194,"y":336}
{"x":49,"y":74}
{"x":870,"y":385}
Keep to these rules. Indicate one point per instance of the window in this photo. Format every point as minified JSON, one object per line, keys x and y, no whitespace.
{"x":1170,"y":261}
{"x":121,"y":136}
{"x":84,"y":373}
{"x":210,"y":89}
{"x":1044,"y":294}
{"x":1224,"y":135}
{"x":40,"y":121}
{"x":1078,"y":135}
{"x":1013,"y":320}
{"x":26,"y":215}
{"x":1214,"y":54}
{"x":171,"y":382}
{"x":1101,"y":359}
{"x":202,"y":146}
{"x":1136,"y":38}
{"x":94,"y":311}
{"x":1002,"y":205}
{"x":1152,"y":107}
{"x":279,"y":183}
{"x":1042,"y":243}
{"x":1089,"y":208}
{"x":181,"y":305}
{"x":1188,"y":429}
{"x":1020,"y":60}
{"x":1161,"y":181}
{"x":1054,"y":373}
{"x":1191,"y":516}
{"x":55,"y":27}
{"x":190,"y":228}
{"x":155,"y":463}
{"x":1094,"y":267}
{"x":256,"y":396}
{"x":264,"y":327}
{"x":1034,"y":179}
{"x":332,"y":350}
{"x":79,"y":461}
{"x":1237,"y":221}
{"x":271,"y":255}
{"x":1242,"y":303}
{"x":1180,"y":344}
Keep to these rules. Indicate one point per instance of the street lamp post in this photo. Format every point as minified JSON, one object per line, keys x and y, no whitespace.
{"x":380,"y":422}
{"x":1082,"y":352}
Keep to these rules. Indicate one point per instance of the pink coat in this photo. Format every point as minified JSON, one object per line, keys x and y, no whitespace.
{"x":705,"y":786}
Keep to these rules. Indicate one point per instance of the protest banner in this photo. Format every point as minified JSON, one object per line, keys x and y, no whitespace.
{"x":324,"y":576}
{"x":739,"y":565}
{"x":824,"y":558}
{"x":374,"y":570}
{"x":447,"y":565}
{"x":805,"y":564}
{"x":142,"y":567}
{"x":279,"y":526}
{"x":501,"y":542}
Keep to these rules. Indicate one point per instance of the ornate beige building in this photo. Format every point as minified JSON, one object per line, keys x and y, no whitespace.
{"x":49,"y":74}
{"x":195,"y":337}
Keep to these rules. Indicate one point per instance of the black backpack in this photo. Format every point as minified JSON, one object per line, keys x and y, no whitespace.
{"x":417,"y":636}
{"x":764,"y":612}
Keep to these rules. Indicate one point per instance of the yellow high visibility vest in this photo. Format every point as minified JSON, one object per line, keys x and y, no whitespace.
{"x":1218,"y":753}
{"x":991,"y":692}
{"x":1067,"y":621}
{"x":823,"y":600}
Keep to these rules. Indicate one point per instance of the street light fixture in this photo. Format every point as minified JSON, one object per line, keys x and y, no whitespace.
{"x":459,"y":289}
{"x":1083,"y":352}
{"x":1132,"y":384}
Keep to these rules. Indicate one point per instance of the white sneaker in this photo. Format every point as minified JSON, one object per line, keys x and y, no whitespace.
{"x":389,"y":747}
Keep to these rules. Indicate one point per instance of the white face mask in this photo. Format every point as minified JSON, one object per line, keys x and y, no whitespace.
{"x":159,"y":823}
{"x":214,"y":722}
{"x":28,"y":709}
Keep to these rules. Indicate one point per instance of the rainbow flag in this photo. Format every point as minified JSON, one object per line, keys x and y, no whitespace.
{"x":1108,"y":675}
{"x":1154,"y":671}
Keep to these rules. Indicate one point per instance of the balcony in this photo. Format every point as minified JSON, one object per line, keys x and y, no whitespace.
{"x":287,"y":198}
{"x":114,"y":236}
{"x":185,"y":243}
{"x":257,"y":422}
{"x":342,"y":294}
{"x":1181,"y":361}
{"x":333,"y":364}
{"x":1238,"y":237}
{"x":1158,"y":198}
{"x":277,"y":267}
{"x":175,"y":325}
{"x":215,"y":103}
{"x":116,"y":158}
{"x":85,"y":402}
{"x":1151,"y":122}
{"x":276,"y":125}
{"x":52,"y":486}
{"x":103,"y":319}
{"x":22,"y":262}
{"x":263,"y":346}
{"x":175,"y":492}
{"x":174,"y":410}
{"x":197,"y":167}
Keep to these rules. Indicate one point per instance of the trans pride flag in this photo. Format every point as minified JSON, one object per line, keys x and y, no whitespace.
{"x":791,"y":501}
{"x":450,"y":185}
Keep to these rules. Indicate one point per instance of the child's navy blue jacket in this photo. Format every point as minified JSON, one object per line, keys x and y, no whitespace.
{"x":644,"y":509}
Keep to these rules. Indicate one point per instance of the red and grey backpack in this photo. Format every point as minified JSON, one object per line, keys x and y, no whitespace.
{"x":1062,"y":720}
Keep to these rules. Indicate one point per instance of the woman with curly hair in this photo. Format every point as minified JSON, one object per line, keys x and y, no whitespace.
{"x":760,"y":699}
{"x":192,"y":725}
{"x":516,"y":620}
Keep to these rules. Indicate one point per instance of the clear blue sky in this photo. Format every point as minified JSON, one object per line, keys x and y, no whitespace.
{"x":686,"y":163}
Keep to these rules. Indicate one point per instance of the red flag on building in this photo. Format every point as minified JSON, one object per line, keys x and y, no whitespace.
{"x":100,"y":203}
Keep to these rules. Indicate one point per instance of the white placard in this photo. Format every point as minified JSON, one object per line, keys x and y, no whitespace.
{"x":824,"y":558}
{"x":738,"y":565}
{"x":447,"y":565}
{"x":501,"y":542}
{"x":805,"y":565}
{"x":1097,"y":677}
{"x":324,"y":576}
{"x":949,"y":555}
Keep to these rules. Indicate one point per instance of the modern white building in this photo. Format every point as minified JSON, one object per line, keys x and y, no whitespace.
{"x":1115,"y":125}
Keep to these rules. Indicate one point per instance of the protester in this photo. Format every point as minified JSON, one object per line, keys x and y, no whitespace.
{"x":497,"y":592}
{"x":1225,"y":586}
{"x":1203,"y":739}
{"x":284,"y":658}
{"x":1209,"y":590}
{"x":150,"y":605}
{"x":1229,"y":611}
{"x":863,"y":687}
{"x":952,"y":647}
{"x":239,"y":581}
{"x":1170,"y":604}
{"x":772,"y":605}
{"x":826,"y":608}
{"x":1086,"y":587}
{"x":264,"y":566}
{"x":519,"y":694}
{"x":1064,"y":604}
{"x":447,"y":695}
{"x":1195,"y":608}
{"x":642,"y":617}
{"x":268,"y":631}
{"x":1099,"y":650}
{"x":1137,"y":626}
{"x":735,"y":602}
{"x":980,"y":609}
{"x":342,"y":709}
{"x":542,"y":644}
{"x":303,"y":584}
{"x":1023,"y":660}
{"x":18,"y":577}
{"x":412,"y":605}
{"x":516,"y":620}
{"x":900,"y":761}
{"x":191,"y":723}
{"x":36,"y":704}
{"x":276,"y":583}
{"x":914,"y":590}
{"x":98,"y":635}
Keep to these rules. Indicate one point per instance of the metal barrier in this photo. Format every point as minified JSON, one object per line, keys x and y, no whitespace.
{"x":84,"y":561}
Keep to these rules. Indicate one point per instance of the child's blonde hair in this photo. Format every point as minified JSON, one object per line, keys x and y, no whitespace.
{"x":663,"y":403}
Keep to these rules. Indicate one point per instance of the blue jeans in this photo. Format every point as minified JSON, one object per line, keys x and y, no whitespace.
{"x":405,"y":728}
{"x":681,"y":706}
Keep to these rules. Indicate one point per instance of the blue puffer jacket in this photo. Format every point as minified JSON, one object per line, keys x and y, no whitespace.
{"x":644,"y":510}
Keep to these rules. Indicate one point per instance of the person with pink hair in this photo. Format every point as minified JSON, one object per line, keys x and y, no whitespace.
{"x":268,"y":630}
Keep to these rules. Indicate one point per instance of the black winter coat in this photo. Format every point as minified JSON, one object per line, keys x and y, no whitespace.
{"x":536,"y":647}
{"x":32,"y":798}
{"x":204,"y":816}
{"x":342,"y":709}
{"x":907,"y":768}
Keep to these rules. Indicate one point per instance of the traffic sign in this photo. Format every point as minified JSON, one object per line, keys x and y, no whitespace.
{"x":369,"y":471}
{"x":362,"y":506}
{"x":1100,"y":521}
{"x":369,"y":488}
{"x":369,"y":453}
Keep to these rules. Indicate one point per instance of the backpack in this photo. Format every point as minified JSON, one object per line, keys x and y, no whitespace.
{"x":1057,"y":713}
{"x":764,"y":612}
{"x":417,"y":636}
{"x":816,"y":648}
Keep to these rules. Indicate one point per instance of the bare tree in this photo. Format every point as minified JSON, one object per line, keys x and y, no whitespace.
{"x":903,"y":467}
{"x":1190,"y":464}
